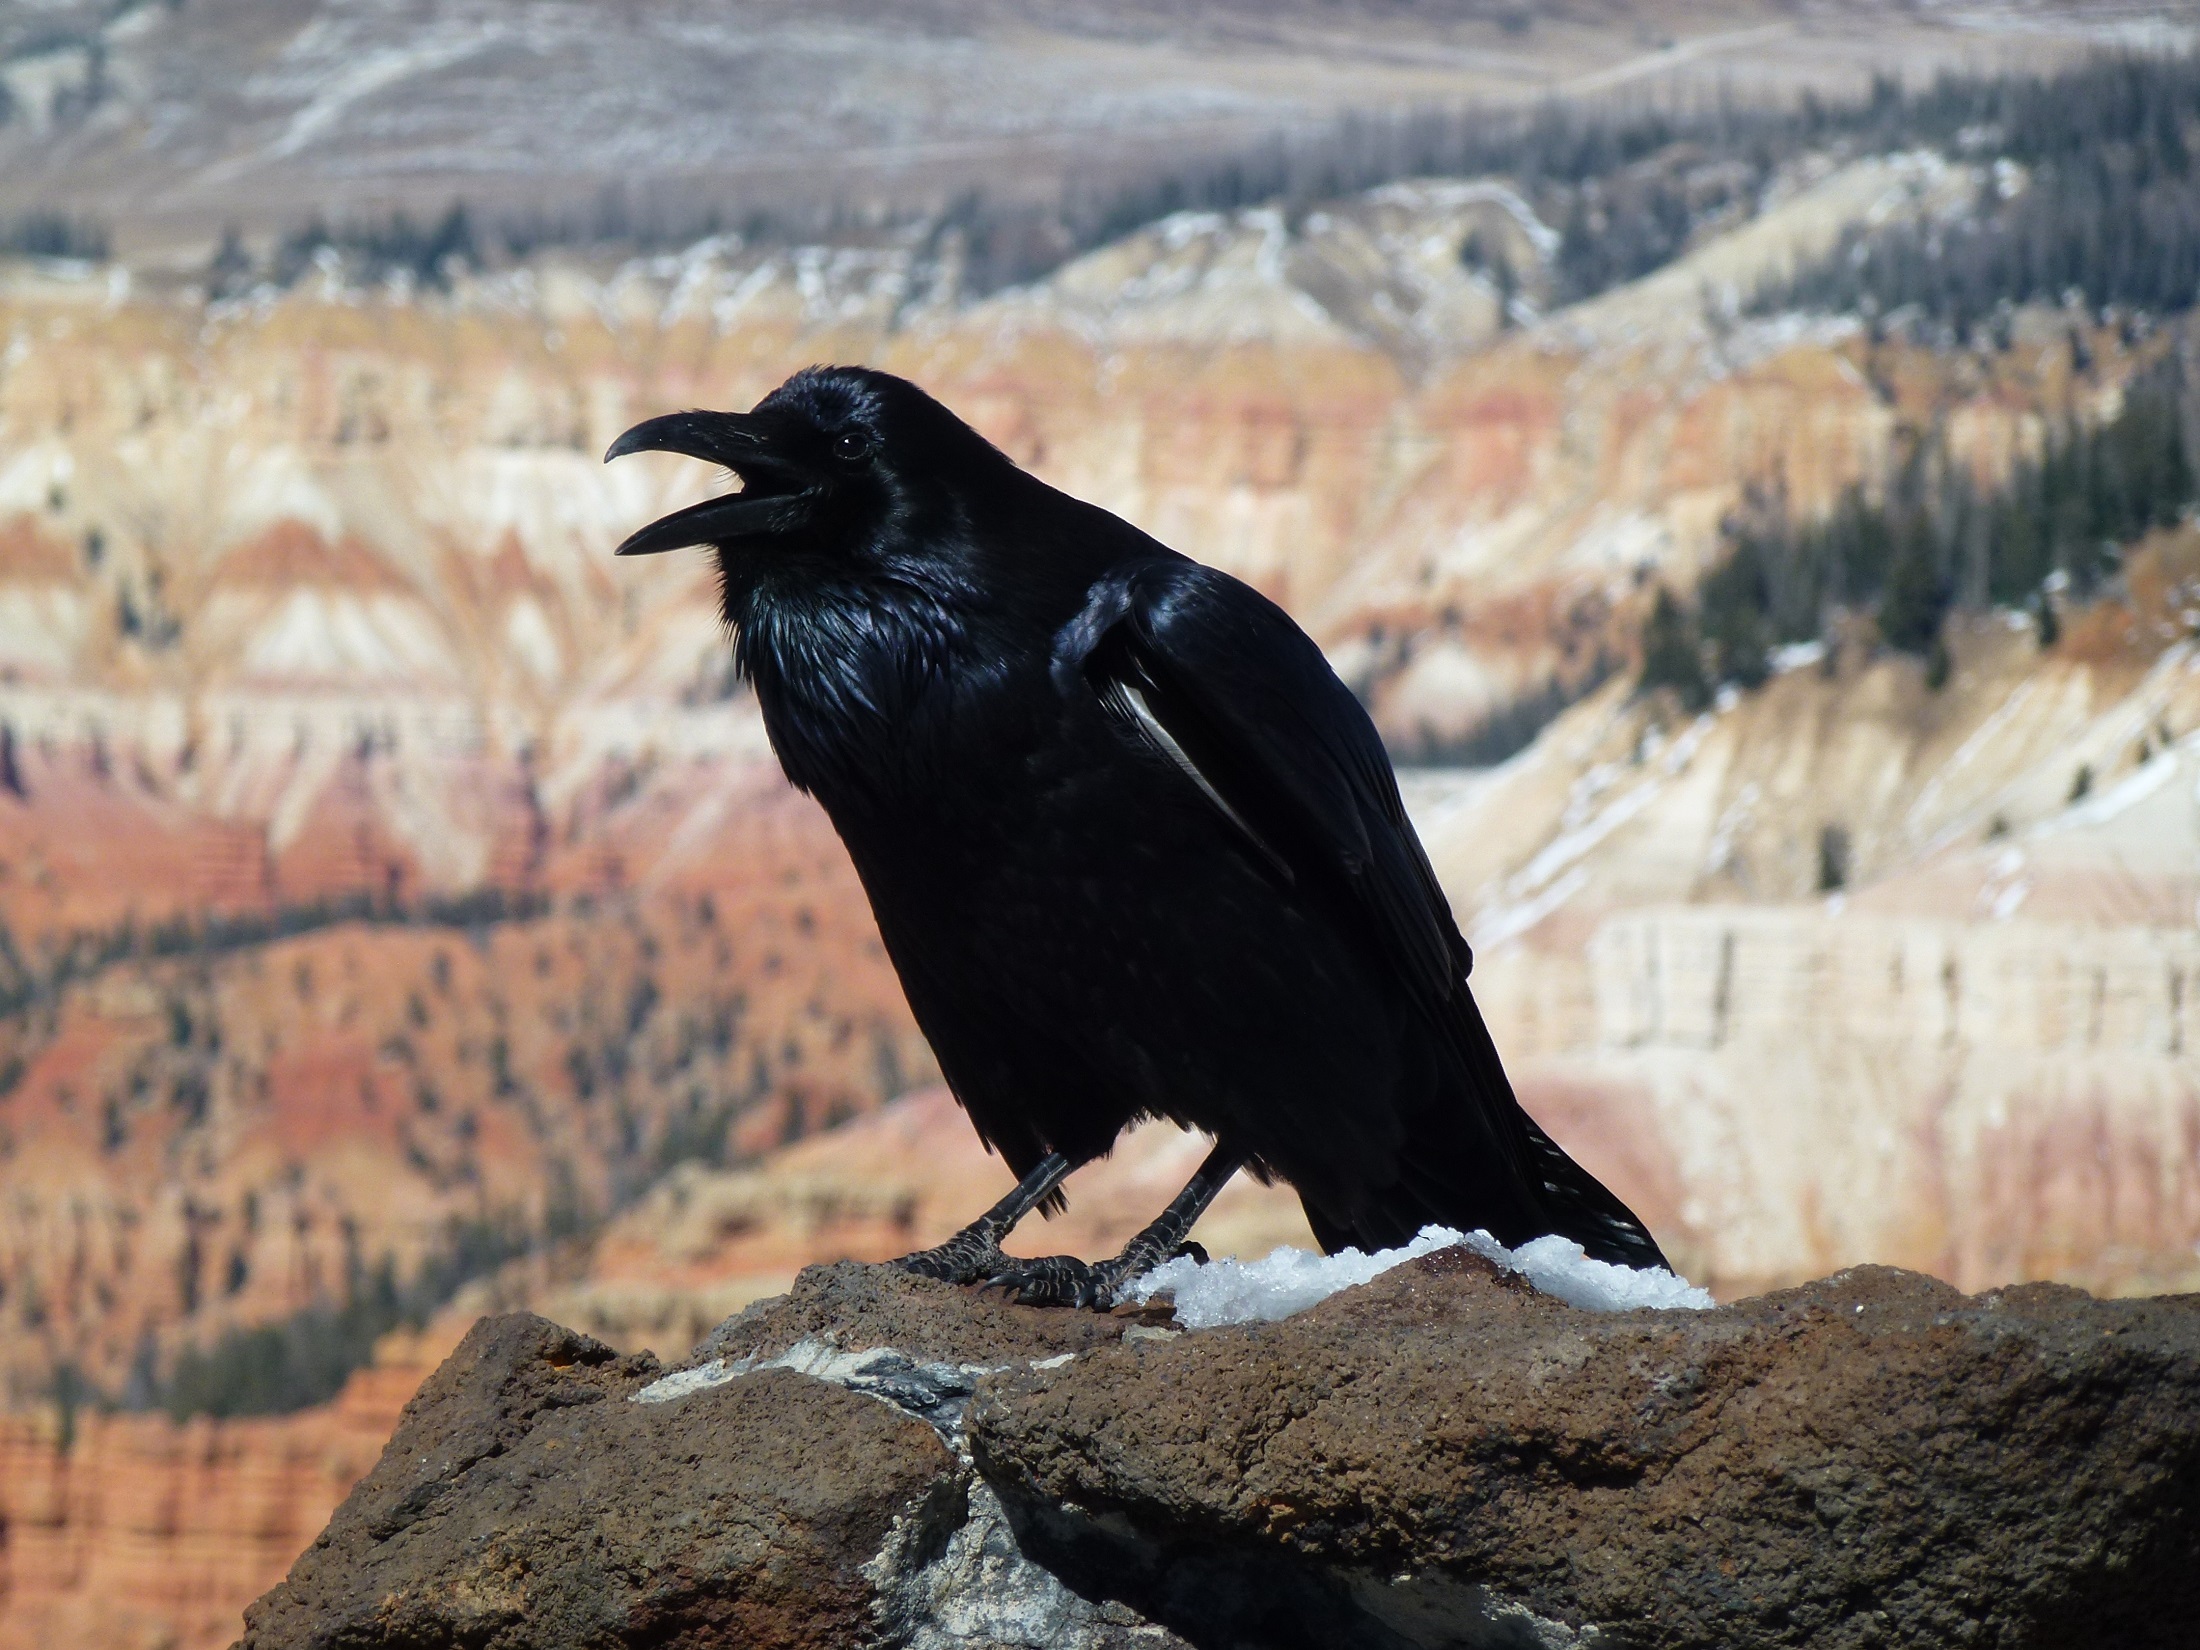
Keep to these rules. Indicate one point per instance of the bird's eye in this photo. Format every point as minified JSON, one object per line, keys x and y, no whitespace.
{"x":851,"y":444}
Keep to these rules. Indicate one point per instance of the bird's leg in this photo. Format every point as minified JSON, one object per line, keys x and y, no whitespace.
{"x":975,"y":1251}
{"x":1064,"y":1280}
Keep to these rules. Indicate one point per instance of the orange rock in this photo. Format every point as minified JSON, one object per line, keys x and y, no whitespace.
{"x":131,"y":1531}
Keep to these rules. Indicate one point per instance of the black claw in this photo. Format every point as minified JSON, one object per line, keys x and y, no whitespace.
{"x":1056,"y":1280}
{"x":1053,"y":1280}
{"x":1061,"y":1280}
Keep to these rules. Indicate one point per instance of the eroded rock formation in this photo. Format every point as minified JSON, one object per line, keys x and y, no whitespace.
{"x":1441,"y":1457}
{"x":130,"y":1531}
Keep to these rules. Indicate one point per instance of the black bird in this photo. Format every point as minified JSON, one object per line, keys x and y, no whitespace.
{"x":1134,"y":849}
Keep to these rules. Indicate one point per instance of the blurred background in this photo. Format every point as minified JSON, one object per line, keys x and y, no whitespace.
{"x":1742,"y":453}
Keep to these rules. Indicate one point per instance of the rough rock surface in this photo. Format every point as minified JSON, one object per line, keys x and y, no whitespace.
{"x":1439,"y":1458}
{"x":1872,"y":1458}
{"x":522,"y":1501}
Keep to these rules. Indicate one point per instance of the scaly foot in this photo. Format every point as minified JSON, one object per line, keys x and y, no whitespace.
{"x":1060,"y":1280}
{"x":966,"y":1257}
{"x":1064,"y":1280}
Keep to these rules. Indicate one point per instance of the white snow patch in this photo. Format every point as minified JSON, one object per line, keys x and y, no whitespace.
{"x":374,"y":72}
{"x":1981,"y":736}
{"x":1560,"y":853}
{"x":1683,"y":750}
{"x":1618,"y":540}
{"x":1733,"y":820}
{"x":681,"y":1382}
{"x":2119,"y":798}
{"x":819,"y":1359}
{"x":1441,"y":193}
{"x":1554,"y":875}
{"x":1288,"y":1281}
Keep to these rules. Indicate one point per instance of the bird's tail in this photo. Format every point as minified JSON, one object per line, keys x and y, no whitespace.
{"x":1585,"y":1209}
{"x":1474,"y":1159}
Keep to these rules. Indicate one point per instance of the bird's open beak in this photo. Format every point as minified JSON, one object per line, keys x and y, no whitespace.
{"x":741,"y":442}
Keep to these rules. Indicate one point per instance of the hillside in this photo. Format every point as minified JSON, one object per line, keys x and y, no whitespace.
{"x":166,"y":122}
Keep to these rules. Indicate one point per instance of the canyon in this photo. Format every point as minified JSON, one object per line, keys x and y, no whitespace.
{"x":131,"y":1531}
{"x":391,"y":880}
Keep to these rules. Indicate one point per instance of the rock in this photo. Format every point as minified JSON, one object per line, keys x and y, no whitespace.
{"x":523,"y":1500}
{"x":1870,"y":1459}
{"x":1439,"y":1458}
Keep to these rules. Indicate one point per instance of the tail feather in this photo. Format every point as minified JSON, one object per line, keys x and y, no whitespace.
{"x":1431,"y":1191}
{"x":1448,"y":1174}
{"x":1585,"y":1209}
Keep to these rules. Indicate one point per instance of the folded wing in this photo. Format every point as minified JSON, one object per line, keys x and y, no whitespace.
{"x":1224,"y":684}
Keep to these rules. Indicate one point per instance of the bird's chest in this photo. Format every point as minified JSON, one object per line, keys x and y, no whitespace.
{"x":921,"y":745}
{"x":848,"y":686}
{"x":949,"y":794}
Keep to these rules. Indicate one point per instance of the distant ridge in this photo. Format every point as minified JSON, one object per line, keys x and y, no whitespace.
{"x":169,"y":121}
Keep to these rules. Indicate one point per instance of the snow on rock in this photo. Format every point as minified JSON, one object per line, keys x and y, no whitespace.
{"x":1288,"y":1281}
{"x":1557,"y":1266}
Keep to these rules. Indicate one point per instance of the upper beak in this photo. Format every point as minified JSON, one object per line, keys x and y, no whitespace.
{"x":718,"y":438}
{"x":736,"y":440}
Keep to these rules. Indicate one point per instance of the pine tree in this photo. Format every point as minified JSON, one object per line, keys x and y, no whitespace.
{"x":1672,"y":653}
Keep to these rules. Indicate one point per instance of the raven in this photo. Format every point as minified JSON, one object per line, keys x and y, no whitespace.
{"x":1134,"y":849}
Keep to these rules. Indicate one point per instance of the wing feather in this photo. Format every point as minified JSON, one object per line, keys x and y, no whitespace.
{"x":1232,"y":690}
{"x":1222,"y":682}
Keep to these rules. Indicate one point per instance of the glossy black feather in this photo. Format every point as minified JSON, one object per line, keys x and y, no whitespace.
{"x":1133,"y":848}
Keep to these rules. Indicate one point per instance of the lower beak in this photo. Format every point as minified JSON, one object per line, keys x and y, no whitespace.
{"x":715,"y":521}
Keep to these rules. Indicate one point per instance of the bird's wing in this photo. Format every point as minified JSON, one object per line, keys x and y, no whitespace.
{"x":1222,"y":682}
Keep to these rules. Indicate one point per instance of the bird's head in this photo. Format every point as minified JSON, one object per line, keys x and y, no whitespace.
{"x":837,"y":462}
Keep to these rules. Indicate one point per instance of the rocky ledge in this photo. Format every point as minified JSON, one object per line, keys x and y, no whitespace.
{"x":1439,"y":1457}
